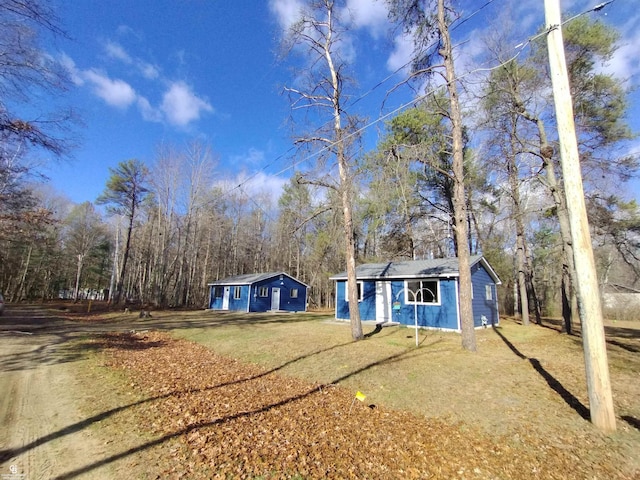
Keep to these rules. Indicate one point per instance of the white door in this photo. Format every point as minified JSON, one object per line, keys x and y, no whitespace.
{"x":383,"y":302}
{"x":275,"y":298}
{"x":225,"y":298}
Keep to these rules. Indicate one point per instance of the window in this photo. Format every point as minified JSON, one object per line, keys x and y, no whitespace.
{"x":217,"y":292}
{"x":346,"y":291}
{"x":293,"y":293}
{"x":263,"y":292}
{"x":237,"y":292}
{"x":425,"y":292}
{"x":488,"y":292}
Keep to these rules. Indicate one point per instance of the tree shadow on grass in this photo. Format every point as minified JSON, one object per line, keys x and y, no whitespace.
{"x":555,"y":385}
{"x":131,"y":341}
{"x":316,"y":389}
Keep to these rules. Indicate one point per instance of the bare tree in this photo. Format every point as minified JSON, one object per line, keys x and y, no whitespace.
{"x":26,"y":71}
{"x":319,"y":32}
{"x":85,"y":232}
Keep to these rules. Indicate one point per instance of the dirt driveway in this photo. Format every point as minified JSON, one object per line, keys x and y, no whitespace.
{"x":44,"y":433}
{"x":150,"y":405}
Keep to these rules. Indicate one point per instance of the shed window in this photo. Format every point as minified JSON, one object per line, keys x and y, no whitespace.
{"x":488,"y":291}
{"x":237,"y":292}
{"x":346,"y":291}
{"x":423,"y":292}
{"x":293,"y":293}
{"x":263,"y":292}
{"x":217,"y":292}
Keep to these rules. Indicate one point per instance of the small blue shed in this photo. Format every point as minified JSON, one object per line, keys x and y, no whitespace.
{"x":260,"y":292}
{"x":423,"y":289}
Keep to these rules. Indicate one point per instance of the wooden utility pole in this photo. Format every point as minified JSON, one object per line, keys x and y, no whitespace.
{"x":589,"y":307}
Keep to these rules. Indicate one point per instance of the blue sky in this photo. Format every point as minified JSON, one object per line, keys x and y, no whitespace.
{"x":152,"y":71}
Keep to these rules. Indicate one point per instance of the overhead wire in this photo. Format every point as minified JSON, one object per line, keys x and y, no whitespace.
{"x":351,"y":104}
{"x":520,"y":47}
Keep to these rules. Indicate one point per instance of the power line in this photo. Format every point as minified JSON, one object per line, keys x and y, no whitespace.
{"x":520,"y":47}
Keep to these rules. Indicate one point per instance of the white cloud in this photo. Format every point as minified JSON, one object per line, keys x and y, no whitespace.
{"x":181,"y":106}
{"x":253,"y":156}
{"x":625,"y":63}
{"x":370,"y":14}
{"x":148,"y":112}
{"x":263,"y":183}
{"x":115,"y":50}
{"x":70,"y":66}
{"x":117,"y":93}
{"x":400,"y":57}
{"x":255,"y":186}
{"x":148,"y":70}
{"x":287,"y":12}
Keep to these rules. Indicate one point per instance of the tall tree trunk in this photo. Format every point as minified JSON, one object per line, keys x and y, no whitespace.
{"x":125,"y":258}
{"x":345,"y":189}
{"x":79,"y":266}
{"x":21,"y":286}
{"x":521,"y":274}
{"x":569,"y":298}
{"x":459,"y":198}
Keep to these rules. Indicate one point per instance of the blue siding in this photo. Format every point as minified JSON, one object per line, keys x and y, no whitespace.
{"x":367,"y":306}
{"x":215,"y":303}
{"x":287,"y":302}
{"x":483,"y":306}
{"x":250,"y":299}
{"x":240,"y":303}
{"x":443,"y":316}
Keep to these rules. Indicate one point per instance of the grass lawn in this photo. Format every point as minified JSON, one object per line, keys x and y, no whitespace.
{"x":521,"y":376}
{"x":525,"y":387}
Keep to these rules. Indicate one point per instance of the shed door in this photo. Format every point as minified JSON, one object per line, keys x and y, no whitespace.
{"x":275,"y":298}
{"x":225,"y":298}
{"x":383,"y":302}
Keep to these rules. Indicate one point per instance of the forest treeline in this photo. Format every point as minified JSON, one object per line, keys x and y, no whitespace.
{"x":165,"y":227}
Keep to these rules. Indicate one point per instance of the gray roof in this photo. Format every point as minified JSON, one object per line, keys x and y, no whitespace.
{"x":251,"y":278}
{"x":437,"y":267}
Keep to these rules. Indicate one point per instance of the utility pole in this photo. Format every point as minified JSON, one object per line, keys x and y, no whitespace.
{"x":589,"y":307}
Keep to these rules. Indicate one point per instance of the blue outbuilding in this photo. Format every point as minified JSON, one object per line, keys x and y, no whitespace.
{"x":260,"y":292}
{"x":422,"y":292}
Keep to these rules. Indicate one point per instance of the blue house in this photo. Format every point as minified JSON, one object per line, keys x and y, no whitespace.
{"x":259,"y":292}
{"x":422,"y":292}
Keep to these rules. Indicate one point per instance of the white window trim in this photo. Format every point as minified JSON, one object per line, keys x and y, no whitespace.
{"x":237,"y":289}
{"x":408,"y":300}
{"x":263,"y":292}
{"x":488,"y":292}
{"x":346,"y":290}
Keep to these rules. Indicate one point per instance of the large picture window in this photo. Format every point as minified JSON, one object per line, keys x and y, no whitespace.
{"x":346,"y":291}
{"x":423,"y":292}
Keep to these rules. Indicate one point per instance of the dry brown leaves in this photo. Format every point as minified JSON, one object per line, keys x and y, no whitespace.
{"x":239,"y":421}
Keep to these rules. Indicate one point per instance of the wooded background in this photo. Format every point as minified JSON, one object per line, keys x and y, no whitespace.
{"x":166,"y":227}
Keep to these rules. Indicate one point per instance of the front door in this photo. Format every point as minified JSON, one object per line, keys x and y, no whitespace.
{"x":275,"y":298}
{"x":225,"y":298}
{"x":383,"y":302}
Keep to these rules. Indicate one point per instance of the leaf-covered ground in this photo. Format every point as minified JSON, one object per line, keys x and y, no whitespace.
{"x":220,"y":418}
